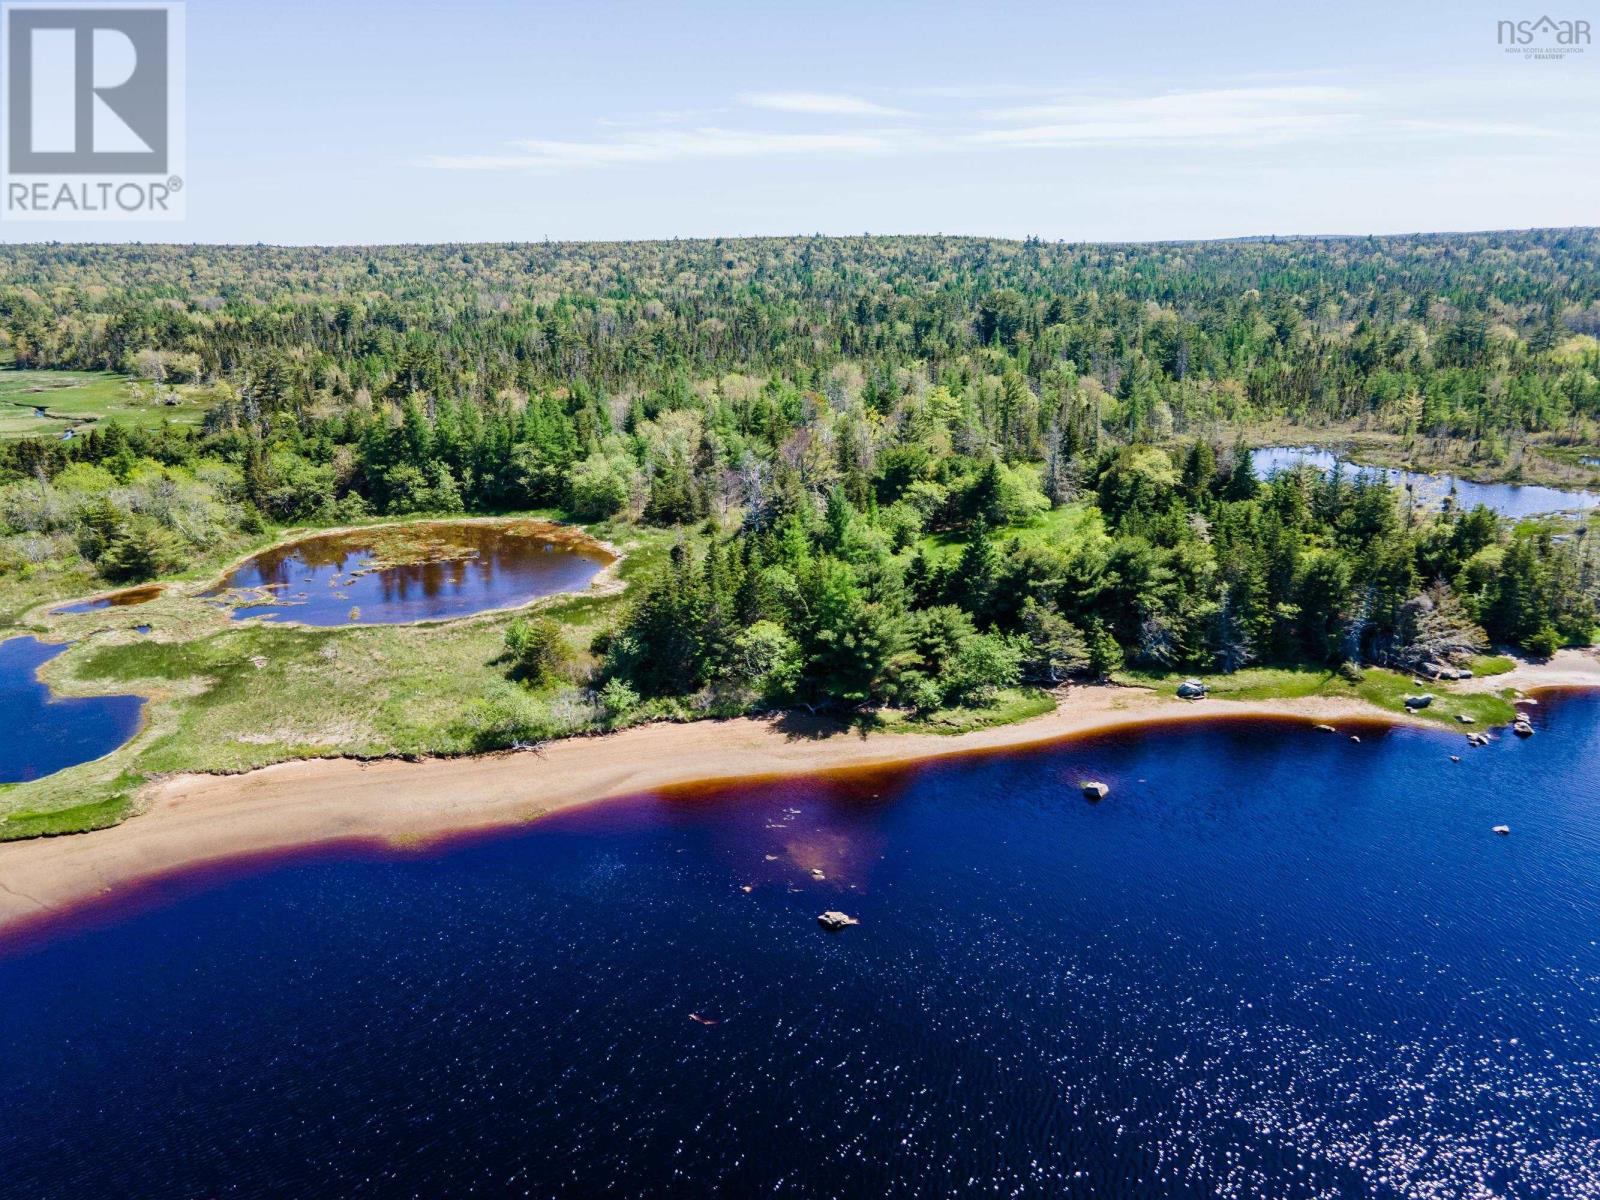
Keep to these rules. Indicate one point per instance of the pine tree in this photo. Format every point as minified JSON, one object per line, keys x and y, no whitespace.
{"x":973,"y":584}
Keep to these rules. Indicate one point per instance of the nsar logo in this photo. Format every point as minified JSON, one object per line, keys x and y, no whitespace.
{"x":1543,"y":37}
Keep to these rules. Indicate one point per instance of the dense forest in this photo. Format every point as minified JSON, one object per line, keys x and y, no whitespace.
{"x":907,"y":470}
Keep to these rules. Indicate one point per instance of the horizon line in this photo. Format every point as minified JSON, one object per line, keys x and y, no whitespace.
{"x":46,"y":243}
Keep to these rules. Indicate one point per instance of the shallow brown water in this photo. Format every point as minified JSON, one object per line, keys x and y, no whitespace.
{"x":142,"y":594}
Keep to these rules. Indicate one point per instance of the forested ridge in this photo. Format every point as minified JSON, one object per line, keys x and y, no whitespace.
{"x":1466,"y":330}
{"x":910,"y":470}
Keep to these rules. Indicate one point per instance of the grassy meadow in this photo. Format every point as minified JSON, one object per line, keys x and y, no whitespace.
{"x":1378,"y":686}
{"x":230,"y":695}
{"x":38,"y":403}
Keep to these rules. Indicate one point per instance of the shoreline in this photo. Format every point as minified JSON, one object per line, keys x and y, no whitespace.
{"x":1377,"y":448}
{"x":192,"y":823}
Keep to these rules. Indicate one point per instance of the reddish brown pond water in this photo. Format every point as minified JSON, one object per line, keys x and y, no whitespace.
{"x":142,"y":594}
{"x":426,"y":571}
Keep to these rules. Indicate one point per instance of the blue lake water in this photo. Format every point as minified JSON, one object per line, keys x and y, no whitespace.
{"x":1508,"y":499}
{"x":40,"y":734}
{"x":1272,"y":963}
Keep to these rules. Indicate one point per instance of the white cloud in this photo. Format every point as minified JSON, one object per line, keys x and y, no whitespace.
{"x":1251,"y":115}
{"x":1208,"y":100}
{"x":977,"y":91}
{"x":1467,"y":127}
{"x":662,"y":146}
{"x":831,"y":104}
{"x":1432,"y":116}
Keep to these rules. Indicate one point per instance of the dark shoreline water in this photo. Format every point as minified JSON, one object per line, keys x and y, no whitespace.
{"x":1272,"y":962}
{"x":41,"y":733}
{"x":153,"y":893}
{"x":436,"y":570}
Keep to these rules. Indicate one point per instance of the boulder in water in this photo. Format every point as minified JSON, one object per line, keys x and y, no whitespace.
{"x":1093,"y":789}
{"x":1502,"y":830}
{"x":835,"y":921}
{"x":1522,"y":728}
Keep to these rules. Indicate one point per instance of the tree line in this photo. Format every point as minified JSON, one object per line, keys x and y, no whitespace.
{"x":912,"y":471}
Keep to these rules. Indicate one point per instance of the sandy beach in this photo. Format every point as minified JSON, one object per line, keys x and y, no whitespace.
{"x":193,"y":820}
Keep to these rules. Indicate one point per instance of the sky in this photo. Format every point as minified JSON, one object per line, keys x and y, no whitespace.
{"x":353,"y":121}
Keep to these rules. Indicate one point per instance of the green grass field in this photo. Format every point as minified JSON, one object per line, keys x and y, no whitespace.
{"x":1377,"y":686}
{"x":77,"y":399}
{"x":1067,"y":528}
{"x":1008,"y":707}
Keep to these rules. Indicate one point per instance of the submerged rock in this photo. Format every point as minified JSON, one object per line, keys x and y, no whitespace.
{"x":835,"y":921}
{"x":1093,"y":789}
{"x":1521,"y":728}
{"x":1502,"y":830}
{"x":1324,"y":728}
